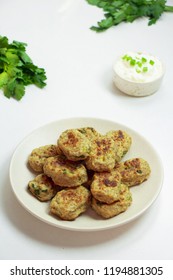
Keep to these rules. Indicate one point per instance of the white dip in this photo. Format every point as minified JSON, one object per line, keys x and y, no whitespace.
{"x":138,"y":67}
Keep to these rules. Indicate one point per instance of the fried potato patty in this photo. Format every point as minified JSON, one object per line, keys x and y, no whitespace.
{"x":110,"y":210}
{"x":106,"y":186}
{"x":102,"y":155}
{"x":122,"y":141}
{"x":74,"y":144}
{"x":133,"y":171}
{"x":42,"y":187}
{"x":69,"y":203}
{"x":64,"y":172}
{"x":38,"y":156}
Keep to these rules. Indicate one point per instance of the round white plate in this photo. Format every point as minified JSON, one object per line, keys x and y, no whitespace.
{"x":143,"y":195}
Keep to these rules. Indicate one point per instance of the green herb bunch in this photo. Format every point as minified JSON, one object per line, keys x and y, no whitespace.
{"x":117,"y":11}
{"x":17,"y":69}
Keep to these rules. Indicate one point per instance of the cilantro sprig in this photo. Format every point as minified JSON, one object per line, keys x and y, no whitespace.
{"x":17,"y":69}
{"x":117,"y":11}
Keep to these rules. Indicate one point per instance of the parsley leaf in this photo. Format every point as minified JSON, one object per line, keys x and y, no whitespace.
{"x":17,"y":69}
{"x":117,"y":11}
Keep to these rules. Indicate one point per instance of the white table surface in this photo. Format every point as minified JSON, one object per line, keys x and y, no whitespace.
{"x":78,"y":64}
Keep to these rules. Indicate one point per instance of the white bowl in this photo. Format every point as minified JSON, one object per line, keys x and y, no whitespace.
{"x":135,"y":87}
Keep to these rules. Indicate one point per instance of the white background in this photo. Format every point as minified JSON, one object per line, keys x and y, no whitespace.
{"x":78,"y":64}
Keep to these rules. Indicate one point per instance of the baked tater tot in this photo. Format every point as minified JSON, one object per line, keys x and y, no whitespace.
{"x":64,"y":172}
{"x":110,"y":210}
{"x":38,"y":156}
{"x":42,"y":187}
{"x":74,"y":145}
{"x":69,"y":203}
{"x":102,"y":155}
{"x":106,"y":186}
{"x":122,"y":141}
{"x":133,"y":171}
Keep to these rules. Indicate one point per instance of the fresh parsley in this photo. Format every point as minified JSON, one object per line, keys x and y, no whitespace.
{"x":17,"y":69}
{"x":117,"y":11}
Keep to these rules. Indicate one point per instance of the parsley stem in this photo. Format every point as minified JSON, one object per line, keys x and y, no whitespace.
{"x":168,"y":8}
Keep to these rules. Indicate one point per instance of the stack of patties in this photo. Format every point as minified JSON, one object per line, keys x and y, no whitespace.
{"x":84,"y":169}
{"x":109,"y":196}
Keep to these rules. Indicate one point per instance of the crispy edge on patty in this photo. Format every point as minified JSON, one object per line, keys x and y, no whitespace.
{"x":89,"y":132}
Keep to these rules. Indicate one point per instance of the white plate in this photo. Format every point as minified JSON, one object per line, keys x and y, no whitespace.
{"x":143,"y":195}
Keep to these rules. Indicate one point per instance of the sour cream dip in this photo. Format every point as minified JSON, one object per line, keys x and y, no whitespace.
{"x":138,"y":74}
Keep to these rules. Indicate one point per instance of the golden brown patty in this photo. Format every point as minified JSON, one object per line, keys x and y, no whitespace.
{"x":110,"y":210}
{"x":133,"y":171}
{"x":102,"y":155}
{"x":69,"y":203}
{"x":42,"y":187}
{"x":38,"y":156}
{"x":122,"y":141}
{"x":74,"y":144}
{"x":64,"y":172}
{"x":106,"y":186}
